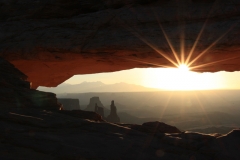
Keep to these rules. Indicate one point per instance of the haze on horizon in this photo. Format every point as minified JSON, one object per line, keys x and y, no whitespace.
{"x":164,"y":79}
{"x":210,"y":105}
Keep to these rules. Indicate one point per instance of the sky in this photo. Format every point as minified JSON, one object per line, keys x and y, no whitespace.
{"x":165,"y":78}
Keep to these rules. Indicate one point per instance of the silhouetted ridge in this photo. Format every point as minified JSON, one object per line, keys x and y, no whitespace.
{"x":155,"y":127}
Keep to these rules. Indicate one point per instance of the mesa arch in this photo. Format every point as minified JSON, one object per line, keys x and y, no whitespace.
{"x":50,"y":41}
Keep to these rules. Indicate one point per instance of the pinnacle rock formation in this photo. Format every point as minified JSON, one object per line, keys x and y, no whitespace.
{"x":113,"y":117}
{"x":69,"y":104}
{"x":63,"y":38}
{"x":15,"y":90}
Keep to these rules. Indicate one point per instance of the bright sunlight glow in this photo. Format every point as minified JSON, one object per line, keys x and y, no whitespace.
{"x":179,"y":79}
{"x":183,"y":68}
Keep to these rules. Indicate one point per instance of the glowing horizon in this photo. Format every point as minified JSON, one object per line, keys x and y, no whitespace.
{"x":165,"y":79}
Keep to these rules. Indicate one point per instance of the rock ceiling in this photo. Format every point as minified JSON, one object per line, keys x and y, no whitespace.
{"x":52,"y":40}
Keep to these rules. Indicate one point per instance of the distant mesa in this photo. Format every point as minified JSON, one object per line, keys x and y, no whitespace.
{"x":98,"y":86}
{"x":96,"y":105}
{"x":113,"y":117}
{"x":92,"y":103}
{"x":69,"y":104}
{"x":99,"y":110}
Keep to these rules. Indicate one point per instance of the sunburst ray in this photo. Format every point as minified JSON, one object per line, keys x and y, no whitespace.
{"x":211,"y":63}
{"x":169,"y":43}
{"x":208,"y":48}
{"x":145,"y":62}
{"x":199,"y":35}
{"x":149,"y":44}
{"x":166,"y":105}
{"x":195,"y":43}
{"x":182,"y":48}
{"x":168,"y":40}
{"x":202,"y":107}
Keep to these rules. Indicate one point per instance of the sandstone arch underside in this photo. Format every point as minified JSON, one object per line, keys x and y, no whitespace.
{"x":50,"y":41}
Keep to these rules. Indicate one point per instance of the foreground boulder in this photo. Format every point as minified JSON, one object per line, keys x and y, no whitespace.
{"x":76,"y":135}
{"x":227,"y":145}
{"x":155,"y":127}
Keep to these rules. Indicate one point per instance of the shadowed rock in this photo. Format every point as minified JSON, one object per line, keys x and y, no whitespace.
{"x":227,"y":146}
{"x":27,"y":133}
{"x":15,"y":90}
{"x":155,"y":127}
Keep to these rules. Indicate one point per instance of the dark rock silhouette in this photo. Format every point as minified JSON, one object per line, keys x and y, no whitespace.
{"x":69,"y":104}
{"x":32,"y":128}
{"x":59,"y":37}
{"x":16,"y":91}
{"x":83,"y":115}
{"x":113,"y":117}
{"x":228,"y":146}
{"x":92,"y":102}
{"x":99,"y":110}
{"x":154,"y":127}
{"x":38,"y":134}
{"x":221,"y":129}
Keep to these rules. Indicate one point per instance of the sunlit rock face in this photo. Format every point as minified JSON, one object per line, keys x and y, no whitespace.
{"x":50,"y":41}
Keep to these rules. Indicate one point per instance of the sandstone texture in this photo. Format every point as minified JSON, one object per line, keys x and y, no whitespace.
{"x":62,"y":38}
{"x":15,"y":91}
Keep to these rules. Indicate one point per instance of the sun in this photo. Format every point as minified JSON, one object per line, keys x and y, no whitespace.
{"x":183,"y":68}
